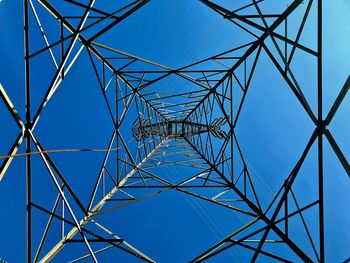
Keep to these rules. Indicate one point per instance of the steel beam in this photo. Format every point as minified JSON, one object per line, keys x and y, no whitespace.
{"x":91,"y":213}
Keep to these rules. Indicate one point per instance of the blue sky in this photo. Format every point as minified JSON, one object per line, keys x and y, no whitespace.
{"x":273,"y":130}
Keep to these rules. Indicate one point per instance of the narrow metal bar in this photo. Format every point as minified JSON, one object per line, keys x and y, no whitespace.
{"x":294,"y":89}
{"x":338,"y":101}
{"x":338,"y":152}
{"x":9,"y":105}
{"x":88,"y":255}
{"x":43,"y":33}
{"x":62,"y":47}
{"x":46,"y":231}
{"x":308,"y":8}
{"x":265,"y":253}
{"x":26,"y":134}
{"x":286,"y":44}
{"x":305,"y":225}
{"x":286,"y":229}
{"x":320,"y":124}
{"x":117,"y":127}
{"x":6,"y":163}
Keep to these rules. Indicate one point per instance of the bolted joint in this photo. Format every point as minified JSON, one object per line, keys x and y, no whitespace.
{"x":322,"y":126}
{"x":26,"y":132}
{"x":27,"y":128}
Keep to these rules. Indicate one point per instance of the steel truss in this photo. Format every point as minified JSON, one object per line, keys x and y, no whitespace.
{"x":207,"y":143}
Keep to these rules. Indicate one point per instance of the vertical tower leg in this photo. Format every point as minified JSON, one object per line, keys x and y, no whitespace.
{"x":321,"y":129}
{"x":27,"y":134}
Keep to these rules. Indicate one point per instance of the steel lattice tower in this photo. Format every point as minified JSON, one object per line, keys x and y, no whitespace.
{"x":154,"y":129}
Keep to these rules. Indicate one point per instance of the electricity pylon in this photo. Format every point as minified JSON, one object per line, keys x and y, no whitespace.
{"x":154,"y":127}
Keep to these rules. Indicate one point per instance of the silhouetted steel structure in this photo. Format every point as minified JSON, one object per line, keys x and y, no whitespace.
{"x":196,"y":126}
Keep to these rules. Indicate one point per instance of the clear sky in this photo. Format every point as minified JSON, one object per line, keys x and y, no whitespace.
{"x":273,"y":129}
